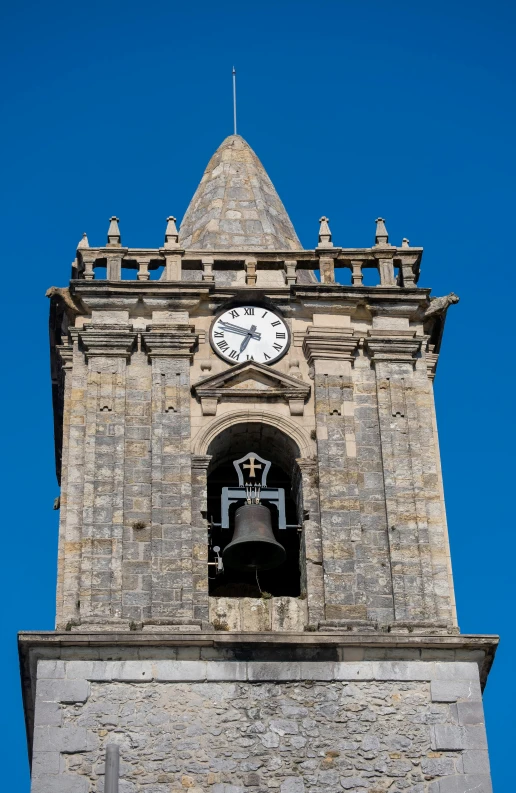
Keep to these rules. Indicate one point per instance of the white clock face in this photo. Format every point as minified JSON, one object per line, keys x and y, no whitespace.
{"x":249,"y":333}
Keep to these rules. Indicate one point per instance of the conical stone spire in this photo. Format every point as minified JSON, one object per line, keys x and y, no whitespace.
{"x":236,"y":207}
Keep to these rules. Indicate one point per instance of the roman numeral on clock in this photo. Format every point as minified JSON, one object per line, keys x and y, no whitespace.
{"x":234,"y":354}
{"x":275,"y":323}
{"x":281,"y":335}
{"x":223,"y":345}
{"x":249,"y":311}
{"x":277,"y":347}
{"x":267,"y":357}
{"x":218,"y":333}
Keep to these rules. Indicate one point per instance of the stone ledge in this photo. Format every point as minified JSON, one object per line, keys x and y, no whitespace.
{"x":85,"y":646}
{"x":75,"y":688}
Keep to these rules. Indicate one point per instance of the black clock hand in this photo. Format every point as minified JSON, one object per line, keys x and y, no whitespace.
{"x":237,"y":329}
{"x":247,"y":338}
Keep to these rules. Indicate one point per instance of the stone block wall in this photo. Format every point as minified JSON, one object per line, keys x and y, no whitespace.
{"x":383,"y":526}
{"x":233,"y":726}
{"x":126,"y":543}
{"x":133,"y":534}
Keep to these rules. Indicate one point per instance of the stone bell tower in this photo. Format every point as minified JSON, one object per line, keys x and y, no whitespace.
{"x":254,"y":581}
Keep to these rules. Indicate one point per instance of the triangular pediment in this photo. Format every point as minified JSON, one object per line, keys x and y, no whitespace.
{"x":251,"y":380}
{"x":250,"y":376}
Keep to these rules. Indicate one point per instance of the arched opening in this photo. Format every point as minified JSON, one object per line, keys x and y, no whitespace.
{"x":270,"y":443}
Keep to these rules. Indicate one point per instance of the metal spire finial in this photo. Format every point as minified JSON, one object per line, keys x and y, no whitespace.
{"x":234,"y":102}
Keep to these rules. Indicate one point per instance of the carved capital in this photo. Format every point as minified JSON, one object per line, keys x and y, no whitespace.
{"x":107,"y":341}
{"x":321,"y":343}
{"x":201,"y":461}
{"x":65,"y":353}
{"x":400,"y":349}
{"x":170,"y":341}
{"x":307,"y":465}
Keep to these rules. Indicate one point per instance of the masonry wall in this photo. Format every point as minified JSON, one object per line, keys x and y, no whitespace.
{"x":228,"y":727}
{"x":133,"y":534}
{"x":383,"y":527}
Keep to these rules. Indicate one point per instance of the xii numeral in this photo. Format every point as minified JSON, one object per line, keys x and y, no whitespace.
{"x":249,"y":311}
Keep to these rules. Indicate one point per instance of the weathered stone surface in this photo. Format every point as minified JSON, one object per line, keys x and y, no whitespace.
{"x":236,"y":206}
{"x":305,"y":736}
{"x":355,"y":440}
{"x":305,"y":725}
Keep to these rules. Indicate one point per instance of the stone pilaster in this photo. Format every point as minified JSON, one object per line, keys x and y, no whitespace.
{"x":72,"y":492}
{"x":356,"y":587}
{"x":65,"y":353}
{"x":413,"y":502}
{"x":136,"y":572}
{"x":170,"y":350}
{"x":200,"y":465}
{"x":107,"y":350}
{"x":311,"y":545}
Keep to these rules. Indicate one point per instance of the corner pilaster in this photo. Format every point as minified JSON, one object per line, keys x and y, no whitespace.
{"x":415,"y":512}
{"x":170,"y":350}
{"x":107,"y":349}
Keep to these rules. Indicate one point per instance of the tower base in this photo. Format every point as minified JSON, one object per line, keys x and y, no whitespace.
{"x":226,"y":712}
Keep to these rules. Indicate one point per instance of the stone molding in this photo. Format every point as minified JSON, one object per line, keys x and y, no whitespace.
{"x":170,"y":341}
{"x":65,"y":353}
{"x":143,"y":671}
{"x":201,"y":461}
{"x":107,"y":340}
{"x":296,"y":432}
{"x":321,"y":343}
{"x":277,"y":387}
{"x":400,"y":349}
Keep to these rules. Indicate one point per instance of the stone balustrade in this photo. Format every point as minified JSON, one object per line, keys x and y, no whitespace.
{"x":382,"y":266}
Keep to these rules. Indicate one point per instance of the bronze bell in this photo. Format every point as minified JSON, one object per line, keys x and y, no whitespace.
{"x":253,"y":546}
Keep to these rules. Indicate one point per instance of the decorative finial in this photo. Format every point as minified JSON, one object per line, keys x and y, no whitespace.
{"x":171,"y":234}
{"x":324,"y":234}
{"x":405,"y":243}
{"x":382,"y":237}
{"x":84,"y":242}
{"x":113,"y":234}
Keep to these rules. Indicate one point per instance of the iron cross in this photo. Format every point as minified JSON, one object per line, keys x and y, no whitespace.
{"x":253,"y":465}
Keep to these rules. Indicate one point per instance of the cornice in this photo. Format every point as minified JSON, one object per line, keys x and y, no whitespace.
{"x":65,"y":355}
{"x":400,"y":349}
{"x":327,"y":343}
{"x":106,"y":340}
{"x":170,"y":341}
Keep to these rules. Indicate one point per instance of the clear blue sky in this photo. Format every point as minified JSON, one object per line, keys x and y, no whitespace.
{"x":357,"y":109}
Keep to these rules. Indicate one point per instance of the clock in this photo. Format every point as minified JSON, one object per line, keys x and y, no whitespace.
{"x":249,"y":333}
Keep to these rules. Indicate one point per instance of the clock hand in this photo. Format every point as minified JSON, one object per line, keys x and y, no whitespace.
{"x":247,"y":338}
{"x":238,"y":329}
